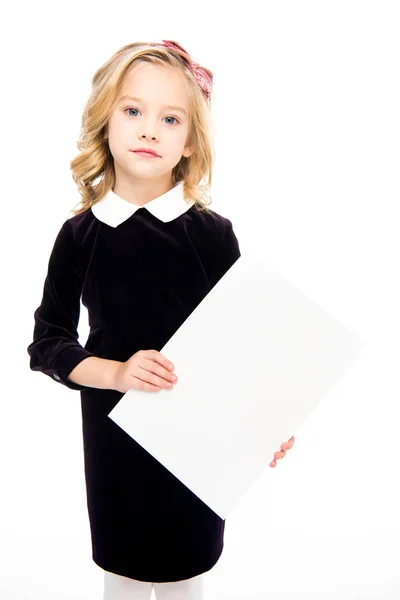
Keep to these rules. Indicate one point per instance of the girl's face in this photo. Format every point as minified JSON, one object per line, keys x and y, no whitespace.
{"x":148,"y":122}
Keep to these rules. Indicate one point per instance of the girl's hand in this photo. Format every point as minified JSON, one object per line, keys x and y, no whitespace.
{"x":147,"y":370}
{"x":285,"y":446}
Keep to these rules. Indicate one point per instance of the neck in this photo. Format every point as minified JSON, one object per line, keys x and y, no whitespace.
{"x":141,"y":191}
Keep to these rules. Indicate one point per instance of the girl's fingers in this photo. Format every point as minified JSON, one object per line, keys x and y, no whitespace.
{"x":288,"y":445}
{"x":280,"y":454}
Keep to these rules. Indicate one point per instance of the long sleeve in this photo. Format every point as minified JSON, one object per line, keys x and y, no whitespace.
{"x":226,"y":254}
{"x":55,"y":350}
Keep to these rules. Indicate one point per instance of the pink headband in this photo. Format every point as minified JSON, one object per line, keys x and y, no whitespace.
{"x":202,"y":75}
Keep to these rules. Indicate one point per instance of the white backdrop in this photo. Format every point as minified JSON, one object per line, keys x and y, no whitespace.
{"x":306,"y":111}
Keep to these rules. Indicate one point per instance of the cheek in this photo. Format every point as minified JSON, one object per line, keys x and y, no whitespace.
{"x":120,"y":136}
{"x":122,"y":129}
{"x":181,"y":139}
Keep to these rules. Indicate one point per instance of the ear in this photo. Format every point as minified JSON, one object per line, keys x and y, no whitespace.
{"x":187,"y":151}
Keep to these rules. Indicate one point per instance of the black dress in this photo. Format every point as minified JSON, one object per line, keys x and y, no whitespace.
{"x":140,"y":272}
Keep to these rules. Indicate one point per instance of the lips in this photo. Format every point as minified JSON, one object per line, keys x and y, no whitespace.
{"x":146,"y":150}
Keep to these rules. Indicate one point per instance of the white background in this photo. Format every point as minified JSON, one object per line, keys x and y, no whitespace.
{"x":306,"y":112}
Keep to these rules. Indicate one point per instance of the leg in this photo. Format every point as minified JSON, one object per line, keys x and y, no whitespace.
{"x":188,"y":589}
{"x":117,"y":587}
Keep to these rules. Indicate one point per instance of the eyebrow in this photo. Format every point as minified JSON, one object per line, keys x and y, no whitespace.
{"x":178,"y":108}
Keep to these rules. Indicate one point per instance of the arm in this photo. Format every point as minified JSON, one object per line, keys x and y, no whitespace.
{"x":95,"y":372}
{"x":55,"y":350}
{"x":225,"y":255}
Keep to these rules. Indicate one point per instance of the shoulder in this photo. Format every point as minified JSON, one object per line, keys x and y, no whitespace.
{"x":212,"y":222}
{"x":80,"y":220}
{"x":216,"y":243}
{"x":214,"y":234}
{"x":82,"y":225}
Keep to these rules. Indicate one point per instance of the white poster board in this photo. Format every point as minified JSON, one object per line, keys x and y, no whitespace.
{"x":253,"y":361}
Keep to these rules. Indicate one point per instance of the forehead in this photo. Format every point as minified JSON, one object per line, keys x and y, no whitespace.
{"x":163,"y":84}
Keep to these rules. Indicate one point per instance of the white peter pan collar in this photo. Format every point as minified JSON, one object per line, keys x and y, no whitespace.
{"x":114,"y":210}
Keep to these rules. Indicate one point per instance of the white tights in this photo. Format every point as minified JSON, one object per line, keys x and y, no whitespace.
{"x":117,"y":587}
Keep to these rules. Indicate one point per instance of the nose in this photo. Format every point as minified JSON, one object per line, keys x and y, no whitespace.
{"x":148,"y":132}
{"x":143,"y":135}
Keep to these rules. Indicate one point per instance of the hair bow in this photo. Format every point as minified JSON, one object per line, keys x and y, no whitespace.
{"x":203,"y":76}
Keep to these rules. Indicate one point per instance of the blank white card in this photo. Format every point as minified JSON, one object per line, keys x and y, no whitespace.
{"x":253,"y":361}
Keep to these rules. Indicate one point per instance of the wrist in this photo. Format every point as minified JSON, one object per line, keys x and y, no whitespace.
{"x":110,"y":374}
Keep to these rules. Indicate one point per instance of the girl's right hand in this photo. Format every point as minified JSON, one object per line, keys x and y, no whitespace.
{"x":146,"y":370}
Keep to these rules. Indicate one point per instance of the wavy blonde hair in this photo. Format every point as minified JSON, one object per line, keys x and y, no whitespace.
{"x":93,"y":169}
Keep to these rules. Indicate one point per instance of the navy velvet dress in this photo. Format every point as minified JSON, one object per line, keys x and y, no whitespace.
{"x":140,"y":272}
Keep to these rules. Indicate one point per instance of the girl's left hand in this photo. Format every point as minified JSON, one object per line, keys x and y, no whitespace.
{"x":285,"y":446}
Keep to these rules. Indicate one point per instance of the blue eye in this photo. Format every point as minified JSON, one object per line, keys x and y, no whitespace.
{"x":170,"y":117}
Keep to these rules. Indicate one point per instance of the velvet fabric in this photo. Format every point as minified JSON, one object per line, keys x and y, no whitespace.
{"x":139,"y":280}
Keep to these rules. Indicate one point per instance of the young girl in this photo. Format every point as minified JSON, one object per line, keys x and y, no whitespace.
{"x":142,"y":252}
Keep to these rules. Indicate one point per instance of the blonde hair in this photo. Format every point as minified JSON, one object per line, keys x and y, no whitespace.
{"x":93,"y":169}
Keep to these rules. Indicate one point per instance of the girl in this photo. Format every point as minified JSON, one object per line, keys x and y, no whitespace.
{"x":141,"y":252}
